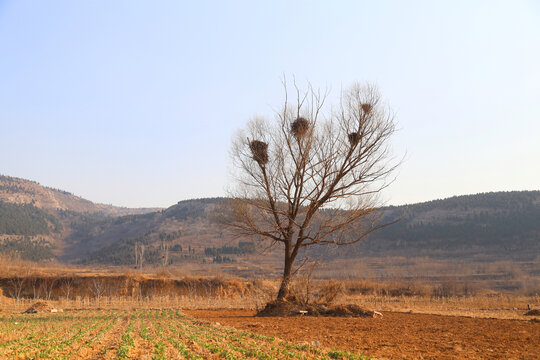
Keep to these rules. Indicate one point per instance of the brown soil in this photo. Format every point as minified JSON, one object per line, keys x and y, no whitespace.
{"x":534,"y":312}
{"x":396,"y":335}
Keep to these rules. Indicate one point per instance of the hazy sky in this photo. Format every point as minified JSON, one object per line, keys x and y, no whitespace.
{"x":134,"y":103}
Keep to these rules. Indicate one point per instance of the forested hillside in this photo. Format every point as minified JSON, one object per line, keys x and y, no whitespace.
{"x":502,"y":225}
{"x":186,"y":229}
{"x":24,"y":230}
{"x":26,"y":219}
{"x":36,"y":221}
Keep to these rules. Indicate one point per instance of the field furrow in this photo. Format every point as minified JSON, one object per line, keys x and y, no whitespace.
{"x":105,"y":345}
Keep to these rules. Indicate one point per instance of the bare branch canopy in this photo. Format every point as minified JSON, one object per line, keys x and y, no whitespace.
{"x":312,"y":175}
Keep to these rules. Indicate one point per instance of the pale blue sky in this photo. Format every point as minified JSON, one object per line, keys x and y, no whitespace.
{"x":134,"y":102}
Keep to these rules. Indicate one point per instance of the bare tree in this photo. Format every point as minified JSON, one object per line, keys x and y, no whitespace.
{"x":136,"y":248}
{"x":98,"y":288}
{"x":139,"y":255}
{"x":313,"y":176}
{"x":165,"y":242}
{"x":67,"y":286}
{"x":35,"y":281}
{"x":47,"y":285}
{"x":18,"y":278}
{"x":17,"y":283}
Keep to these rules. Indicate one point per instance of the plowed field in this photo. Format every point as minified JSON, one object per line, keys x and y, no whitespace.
{"x":143,"y":334}
{"x":397,"y":335}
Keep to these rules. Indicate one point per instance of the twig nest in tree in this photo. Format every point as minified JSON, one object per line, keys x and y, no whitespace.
{"x":354,"y":138}
{"x":259,"y":150}
{"x":366,"y":108}
{"x":299,"y":127}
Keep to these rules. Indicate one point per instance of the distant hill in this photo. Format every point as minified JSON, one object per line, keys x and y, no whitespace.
{"x":36,"y":220}
{"x":498,"y":225}
{"x":186,"y":226}
{"x":41,"y":223}
{"x":501,"y":225}
{"x":20,"y":191}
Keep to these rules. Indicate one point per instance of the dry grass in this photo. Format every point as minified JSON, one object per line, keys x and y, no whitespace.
{"x":480,"y":306}
{"x":172,"y":288}
{"x":129,"y":303}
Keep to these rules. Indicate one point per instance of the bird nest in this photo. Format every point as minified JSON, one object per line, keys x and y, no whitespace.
{"x":354,"y":138}
{"x":259,"y":150}
{"x":299,"y":127}
{"x":366,"y":108}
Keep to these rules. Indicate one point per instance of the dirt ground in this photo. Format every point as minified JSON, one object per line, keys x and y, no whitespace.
{"x":396,"y":335}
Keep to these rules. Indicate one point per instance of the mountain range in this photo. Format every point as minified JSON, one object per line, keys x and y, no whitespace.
{"x":41,"y":223}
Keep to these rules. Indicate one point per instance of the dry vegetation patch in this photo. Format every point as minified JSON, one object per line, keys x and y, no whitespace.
{"x":533,"y":312}
{"x":40,"y":306}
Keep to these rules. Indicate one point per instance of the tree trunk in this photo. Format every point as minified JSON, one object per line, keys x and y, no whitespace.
{"x":283,"y":292}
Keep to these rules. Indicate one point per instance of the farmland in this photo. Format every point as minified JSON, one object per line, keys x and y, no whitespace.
{"x":110,"y":314}
{"x":398,"y":335}
{"x":149,"y":333}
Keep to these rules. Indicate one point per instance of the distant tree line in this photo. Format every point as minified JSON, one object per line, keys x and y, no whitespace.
{"x":504,"y":200}
{"x":244,"y":247}
{"x":223,"y":260}
{"x":128,"y":219}
{"x":190,"y":209}
{"x":176,"y":248}
{"x":163,"y":236}
{"x":122,"y":252}
{"x":59,"y":190}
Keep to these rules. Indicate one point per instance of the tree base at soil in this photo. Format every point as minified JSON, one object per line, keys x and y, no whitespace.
{"x":293,"y":308}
